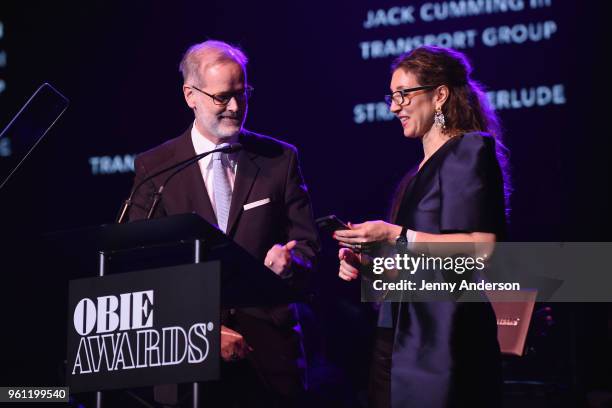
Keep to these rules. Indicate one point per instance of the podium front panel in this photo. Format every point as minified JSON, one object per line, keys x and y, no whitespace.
{"x":144,"y":328}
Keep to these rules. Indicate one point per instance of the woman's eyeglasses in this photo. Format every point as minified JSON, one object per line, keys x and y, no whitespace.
{"x":400,"y":97}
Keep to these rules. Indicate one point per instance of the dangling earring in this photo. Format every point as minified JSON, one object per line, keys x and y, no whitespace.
{"x":439,"y":120}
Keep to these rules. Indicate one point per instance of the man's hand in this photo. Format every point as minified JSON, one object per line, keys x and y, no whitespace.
{"x":280,"y":257}
{"x":233,"y":345}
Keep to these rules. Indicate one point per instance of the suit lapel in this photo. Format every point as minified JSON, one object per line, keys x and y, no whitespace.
{"x":246,"y":174}
{"x":192,"y":181}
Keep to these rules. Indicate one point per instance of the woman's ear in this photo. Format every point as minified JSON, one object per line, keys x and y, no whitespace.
{"x":440,"y":96}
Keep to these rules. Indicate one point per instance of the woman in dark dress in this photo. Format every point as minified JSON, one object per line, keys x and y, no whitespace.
{"x":443,"y":353}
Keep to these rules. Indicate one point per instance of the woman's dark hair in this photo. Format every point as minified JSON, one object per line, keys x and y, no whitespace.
{"x":467,"y":108}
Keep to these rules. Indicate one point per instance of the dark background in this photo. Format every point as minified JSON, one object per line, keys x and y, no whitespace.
{"x":118,"y":64}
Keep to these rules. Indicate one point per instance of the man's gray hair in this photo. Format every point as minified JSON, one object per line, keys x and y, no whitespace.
{"x":216,"y":51}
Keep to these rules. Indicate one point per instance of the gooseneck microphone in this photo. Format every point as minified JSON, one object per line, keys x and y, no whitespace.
{"x":180,"y":166}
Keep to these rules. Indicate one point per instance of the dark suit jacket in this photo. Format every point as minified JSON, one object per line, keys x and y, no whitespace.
{"x":267,"y":168}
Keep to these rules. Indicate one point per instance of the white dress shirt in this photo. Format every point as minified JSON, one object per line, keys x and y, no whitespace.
{"x":201,"y":144}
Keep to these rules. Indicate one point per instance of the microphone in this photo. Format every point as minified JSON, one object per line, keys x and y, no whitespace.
{"x":234,"y":147}
{"x":127,"y":204}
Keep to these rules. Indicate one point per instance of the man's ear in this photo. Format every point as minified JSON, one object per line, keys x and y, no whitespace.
{"x":189,"y":96}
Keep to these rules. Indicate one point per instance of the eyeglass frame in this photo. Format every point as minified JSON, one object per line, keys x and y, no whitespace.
{"x":404,"y":93}
{"x":247,"y":92}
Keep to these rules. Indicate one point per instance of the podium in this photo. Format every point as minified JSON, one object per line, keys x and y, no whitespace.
{"x":152,"y":315}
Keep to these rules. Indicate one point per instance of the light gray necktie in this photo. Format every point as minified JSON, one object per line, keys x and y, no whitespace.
{"x":222,"y":187}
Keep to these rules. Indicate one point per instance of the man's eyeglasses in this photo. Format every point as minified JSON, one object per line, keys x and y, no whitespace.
{"x":399,"y":97}
{"x":224,"y":98}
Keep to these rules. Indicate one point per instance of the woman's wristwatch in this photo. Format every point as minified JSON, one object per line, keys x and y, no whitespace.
{"x":401,"y":241}
{"x":405,"y":240}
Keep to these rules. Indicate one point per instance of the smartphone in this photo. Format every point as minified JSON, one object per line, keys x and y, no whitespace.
{"x":331,"y":223}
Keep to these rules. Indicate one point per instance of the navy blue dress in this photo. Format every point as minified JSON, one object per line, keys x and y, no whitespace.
{"x":445,"y":354}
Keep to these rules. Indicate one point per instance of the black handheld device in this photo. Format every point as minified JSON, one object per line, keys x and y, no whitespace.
{"x":330,"y":223}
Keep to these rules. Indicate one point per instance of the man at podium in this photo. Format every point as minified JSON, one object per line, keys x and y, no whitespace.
{"x":256,"y":196}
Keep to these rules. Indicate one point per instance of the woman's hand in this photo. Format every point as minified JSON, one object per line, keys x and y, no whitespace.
{"x":349,"y":264}
{"x":366,"y":233}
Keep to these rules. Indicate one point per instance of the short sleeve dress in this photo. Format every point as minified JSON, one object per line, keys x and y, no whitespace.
{"x":446,"y":354}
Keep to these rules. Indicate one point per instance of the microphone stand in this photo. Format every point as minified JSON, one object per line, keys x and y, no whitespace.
{"x":127,"y":204}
